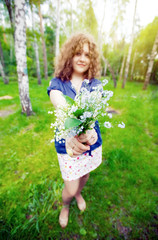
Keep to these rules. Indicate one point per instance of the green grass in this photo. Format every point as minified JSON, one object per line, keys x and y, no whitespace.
{"x":121,"y":194}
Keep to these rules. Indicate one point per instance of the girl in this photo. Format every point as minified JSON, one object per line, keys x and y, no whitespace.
{"x":78,"y":60}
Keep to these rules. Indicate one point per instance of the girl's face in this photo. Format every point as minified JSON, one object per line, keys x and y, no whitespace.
{"x":81,"y":60}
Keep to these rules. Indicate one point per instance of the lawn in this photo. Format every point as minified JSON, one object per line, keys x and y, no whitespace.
{"x":121,"y":194}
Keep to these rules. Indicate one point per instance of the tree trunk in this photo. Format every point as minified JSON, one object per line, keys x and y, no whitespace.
{"x":11,"y":17}
{"x":2,"y":68}
{"x":132,"y":68}
{"x":5,"y":80}
{"x":71,"y":18}
{"x":1,"y":55}
{"x":105,"y":68}
{"x":100,"y":31}
{"x":111,"y":70}
{"x":57,"y":29}
{"x":36,"y":50}
{"x":122,"y":67}
{"x":43,"y":43}
{"x":151,"y":62}
{"x":11,"y":49}
{"x":20,"y":52}
{"x":130,"y":49}
{"x":71,"y":15}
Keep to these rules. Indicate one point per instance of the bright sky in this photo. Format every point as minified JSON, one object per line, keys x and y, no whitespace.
{"x":146,"y":12}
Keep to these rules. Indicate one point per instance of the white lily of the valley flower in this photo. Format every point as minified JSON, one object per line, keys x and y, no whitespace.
{"x":86,"y":81}
{"x":107,"y":125}
{"x":121,"y":125}
{"x":87,"y":107}
{"x":109,"y":115}
{"x":105,"y":81}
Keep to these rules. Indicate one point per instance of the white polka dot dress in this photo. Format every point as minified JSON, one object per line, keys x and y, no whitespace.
{"x":74,"y":168}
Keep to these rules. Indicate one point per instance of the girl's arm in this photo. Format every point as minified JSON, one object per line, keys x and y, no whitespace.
{"x":72,"y":143}
{"x":57,"y":98}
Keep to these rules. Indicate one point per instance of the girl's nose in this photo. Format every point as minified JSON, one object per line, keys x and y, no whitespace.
{"x":82,"y":57}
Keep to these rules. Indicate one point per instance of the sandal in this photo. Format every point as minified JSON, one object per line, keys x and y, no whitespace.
{"x":81,"y":205}
{"x":63,"y":221}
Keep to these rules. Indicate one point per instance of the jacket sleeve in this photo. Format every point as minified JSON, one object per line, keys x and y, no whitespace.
{"x":54,"y":85}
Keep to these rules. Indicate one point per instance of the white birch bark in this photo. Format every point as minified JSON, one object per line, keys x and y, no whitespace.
{"x":133,"y":65}
{"x":57,"y":29}
{"x":20,"y":52}
{"x":100,"y":31}
{"x":5,"y":80}
{"x":130,"y":49}
{"x":151,"y":62}
{"x":43,"y":44}
{"x":105,"y":68}
{"x":36,"y":51}
{"x":71,"y":17}
{"x":110,"y":69}
{"x":122,"y":67}
{"x":11,"y":49}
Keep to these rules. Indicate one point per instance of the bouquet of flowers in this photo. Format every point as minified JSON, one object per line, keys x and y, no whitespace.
{"x":80,"y":114}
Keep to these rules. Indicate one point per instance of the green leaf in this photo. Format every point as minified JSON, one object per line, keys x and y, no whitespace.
{"x":83,"y":231}
{"x":69,"y":100}
{"x":37,"y":226}
{"x":72,"y":122}
{"x":78,"y":112}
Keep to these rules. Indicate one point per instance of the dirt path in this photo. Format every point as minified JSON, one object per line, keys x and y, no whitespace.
{"x":8,"y":110}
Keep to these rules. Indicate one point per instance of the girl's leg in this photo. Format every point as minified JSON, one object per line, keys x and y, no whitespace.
{"x":80,"y":201}
{"x":69,"y":191}
{"x":72,"y":189}
{"x":82,"y":183}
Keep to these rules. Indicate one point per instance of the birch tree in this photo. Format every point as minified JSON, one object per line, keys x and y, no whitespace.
{"x":151,"y":62}
{"x":110,"y":69}
{"x":133,"y":65}
{"x":130,"y":49}
{"x":2,"y":66}
{"x":43,"y":42}
{"x":122,"y":67}
{"x":71,"y":15}
{"x":10,"y":8}
{"x":5,"y":80}
{"x":105,"y":68}
{"x":57,"y":29}
{"x":36,"y":48}
{"x":20,"y":52}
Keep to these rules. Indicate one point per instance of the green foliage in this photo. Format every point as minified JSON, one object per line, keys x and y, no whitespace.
{"x":121,"y":193}
{"x":143,"y":45}
{"x":68,"y":99}
{"x":50,"y":43}
{"x":78,"y":112}
{"x":91,"y":24}
{"x":115,"y":55}
{"x":31,"y":61}
{"x":7,"y":44}
{"x":146,"y":38}
{"x":72,"y":122}
{"x":86,"y":18}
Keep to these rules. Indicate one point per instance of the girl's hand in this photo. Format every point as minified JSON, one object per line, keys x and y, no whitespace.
{"x":74,"y":147}
{"x":90,"y":137}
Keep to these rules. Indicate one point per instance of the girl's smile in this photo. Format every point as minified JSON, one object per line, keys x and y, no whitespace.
{"x":81,"y":60}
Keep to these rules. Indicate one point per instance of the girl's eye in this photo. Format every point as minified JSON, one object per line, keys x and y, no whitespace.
{"x":87,"y":55}
{"x":78,"y":54}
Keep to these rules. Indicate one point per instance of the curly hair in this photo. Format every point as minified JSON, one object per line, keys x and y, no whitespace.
{"x":63,"y":66}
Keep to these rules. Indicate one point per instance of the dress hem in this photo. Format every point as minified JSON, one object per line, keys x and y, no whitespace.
{"x":83,"y":174}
